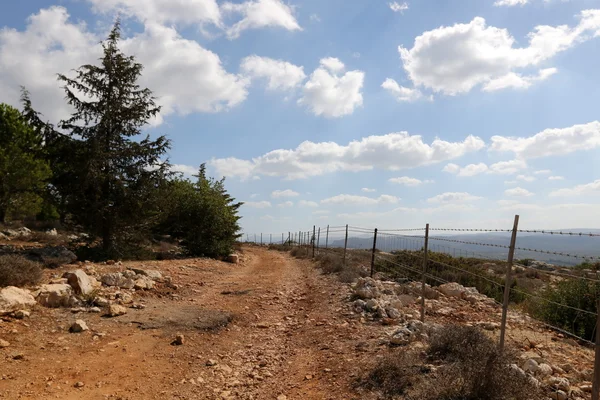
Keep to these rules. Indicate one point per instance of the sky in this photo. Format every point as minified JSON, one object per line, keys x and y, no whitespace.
{"x":389,"y":114}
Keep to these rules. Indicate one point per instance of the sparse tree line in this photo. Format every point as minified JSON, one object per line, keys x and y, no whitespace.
{"x":94,"y":171}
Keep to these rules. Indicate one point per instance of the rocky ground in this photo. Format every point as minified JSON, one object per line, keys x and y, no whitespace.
{"x":269,"y":327}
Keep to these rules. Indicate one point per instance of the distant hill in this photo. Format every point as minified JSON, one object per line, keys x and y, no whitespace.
{"x":575,"y":245}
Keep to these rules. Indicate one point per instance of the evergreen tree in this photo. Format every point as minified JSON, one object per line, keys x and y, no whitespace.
{"x":23,"y":172}
{"x":117,"y":176}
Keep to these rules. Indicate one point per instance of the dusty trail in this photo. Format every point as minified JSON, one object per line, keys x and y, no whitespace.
{"x":290,"y":335}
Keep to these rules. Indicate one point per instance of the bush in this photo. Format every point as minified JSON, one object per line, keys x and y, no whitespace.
{"x":16,"y":270}
{"x":394,"y":374}
{"x":330,"y":263}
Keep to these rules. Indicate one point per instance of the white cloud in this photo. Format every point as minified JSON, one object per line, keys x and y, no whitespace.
{"x":260,"y":14}
{"x":543,"y":172}
{"x":397,"y":7}
{"x":453,"y":198}
{"x":286,"y":204}
{"x":501,"y":168}
{"x":579,"y":190}
{"x":394,"y":151}
{"x":193,"y":81}
{"x":184,"y":169}
{"x":407,"y":181}
{"x":455,"y":59}
{"x":164,"y":11}
{"x":258,"y":204}
{"x":254,"y":195}
{"x":525,"y":178}
{"x":517,"y":81}
{"x":349,"y":199}
{"x":367,"y":190}
{"x":284,"y":193}
{"x":510,"y":3}
{"x":281,"y":75}
{"x":401,"y":93}
{"x":331,"y":94}
{"x":556,"y":178}
{"x":551,"y":142}
{"x":517,"y":192}
{"x":306,"y":203}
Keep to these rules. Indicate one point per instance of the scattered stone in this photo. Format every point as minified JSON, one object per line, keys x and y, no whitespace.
{"x":54,"y":256}
{"x":544,"y":370}
{"x":116,"y":310}
{"x":143,"y":283}
{"x":79,"y":385}
{"x":233,"y":258}
{"x":401,"y":337}
{"x":52,"y":232}
{"x":14,"y":299}
{"x":453,"y":289}
{"x":56,"y":295}
{"x":282,"y":397}
{"x":531,"y":366}
{"x":4,"y":343}
{"x":129,"y":274}
{"x":211,"y":363}
{"x":366,"y":288}
{"x":179,"y":339}
{"x":80,"y":282}
{"x":559,"y":395}
{"x":95,"y":310}
{"x":559,"y":383}
{"x":18,"y":356}
{"x":101,"y":302}
{"x":22,"y":314}
{"x":78,"y":326}
{"x":117,"y":279}
{"x":152,"y":274}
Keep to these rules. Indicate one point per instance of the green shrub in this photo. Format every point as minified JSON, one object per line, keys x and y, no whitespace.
{"x":16,"y":270}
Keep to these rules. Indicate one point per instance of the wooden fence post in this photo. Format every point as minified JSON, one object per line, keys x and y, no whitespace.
{"x":596,"y":381}
{"x":345,"y":245}
{"x":327,"y":238}
{"x":424,"y":272}
{"x":373,"y":253}
{"x":507,"y":282}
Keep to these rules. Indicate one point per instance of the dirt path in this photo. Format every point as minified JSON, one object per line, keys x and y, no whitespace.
{"x":290,"y":335}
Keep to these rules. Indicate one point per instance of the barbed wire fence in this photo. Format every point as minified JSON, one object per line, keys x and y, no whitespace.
{"x":417,"y":244}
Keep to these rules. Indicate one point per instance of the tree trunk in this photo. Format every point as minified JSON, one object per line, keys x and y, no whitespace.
{"x":2,"y":215}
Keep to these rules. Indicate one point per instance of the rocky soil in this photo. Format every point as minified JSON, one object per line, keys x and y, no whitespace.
{"x":269,"y":327}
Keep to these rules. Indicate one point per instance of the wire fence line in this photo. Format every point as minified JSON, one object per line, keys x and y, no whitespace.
{"x":387,"y":244}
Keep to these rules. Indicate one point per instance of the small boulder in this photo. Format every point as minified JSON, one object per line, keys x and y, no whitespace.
{"x":366,"y":288}
{"x":80,"y":282}
{"x":13,"y":299}
{"x":453,"y":289}
{"x":116,"y":310}
{"x":3,"y":344}
{"x":560,"y":383}
{"x":150,"y":273}
{"x":56,"y":295}
{"x":143,"y":283}
{"x":401,"y":337}
{"x":117,"y":279}
{"x":233,"y":258}
{"x":21,"y":314}
{"x":52,"y":232}
{"x":179,"y":340}
{"x":544,"y":370}
{"x":78,"y":326}
{"x":531,"y":366}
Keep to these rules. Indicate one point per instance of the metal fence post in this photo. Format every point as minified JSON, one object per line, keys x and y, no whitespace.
{"x":313,"y":240}
{"x":261,"y":239}
{"x":596,"y":382}
{"x":318,"y":239}
{"x":270,"y":238}
{"x":423,"y":273}
{"x":282,"y":242}
{"x":511,"y":254}
{"x":345,"y":245}
{"x":373,"y":253}
{"x":327,"y":238}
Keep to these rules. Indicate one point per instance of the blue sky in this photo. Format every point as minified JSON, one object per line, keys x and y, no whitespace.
{"x":459,"y":113}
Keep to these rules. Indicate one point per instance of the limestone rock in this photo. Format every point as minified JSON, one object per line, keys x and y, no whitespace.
{"x":143,"y":283}
{"x":80,"y":282}
{"x":544,"y":370}
{"x":453,"y":289}
{"x":117,"y":279}
{"x":21,"y":314}
{"x":150,"y":273}
{"x":366,"y":288}
{"x":115,"y":310}
{"x":233,"y":258}
{"x":52,"y":232}
{"x":560,"y":383}
{"x":179,"y":340}
{"x":56,"y":295}
{"x":531,"y":366}
{"x":401,"y":337}
{"x":13,"y":299}
{"x":78,"y":326}
{"x":3,"y":344}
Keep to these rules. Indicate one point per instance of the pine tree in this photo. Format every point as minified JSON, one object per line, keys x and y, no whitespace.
{"x":117,"y":175}
{"x":23,"y":172}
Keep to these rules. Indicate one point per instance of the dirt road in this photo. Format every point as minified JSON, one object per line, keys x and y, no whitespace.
{"x":290,"y":335}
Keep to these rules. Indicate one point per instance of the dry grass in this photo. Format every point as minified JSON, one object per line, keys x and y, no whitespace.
{"x":16,"y":270}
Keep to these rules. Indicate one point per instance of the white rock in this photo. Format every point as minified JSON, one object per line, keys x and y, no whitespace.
{"x":366,"y":288}
{"x":4,"y":343}
{"x":117,"y":279}
{"x":55,"y":295}
{"x":453,"y":289}
{"x":13,"y":299}
{"x":115,"y":310}
{"x":531,"y":366}
{"x":560,"y":383}
{"x":78,"y":326}
{"x":233,"y":258}
{"x":559,"y":395}
{"x":544,"y":370}
{"x":143,"y":283}
{"x":150,"y":273}
{"x":401,"y":337}
{"x":52,"y":232}
{"x":80,"y":282}
{"x":22,"y":314}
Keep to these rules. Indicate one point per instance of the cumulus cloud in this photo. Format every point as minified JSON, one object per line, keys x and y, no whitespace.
{"x":164,"y":11}
{"x":551,"y":142}
{"x":258,"y":204}
{"x":286,"y":204}
{"x":455,"y":59}
{"x":453,"y":198}
{"x":349,"y":199}
{"x":306,"y":203}
{"x":501,"y":168}
{"x":525,"y":178}
{"x":284,"y":193}
{"x":579,"y":190}
{"x":407,"y":181}
{"x":401,"y":93}
{"x":510,"y":3}
{"x":397,"y":7}
{"x":556,"y":178}
{"x":330,"y":93}
{"x":260,"y":14}
{"x":368,"y":190}
{"x":194,"y":81}
{"x":280,"y":75}
{"x":394,"y":151}
{"x":518,"y":192}
{"x":184,"y":169}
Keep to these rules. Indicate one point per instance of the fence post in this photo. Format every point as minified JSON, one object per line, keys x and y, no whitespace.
{"x":318,"y":239}
{"x":270,"y":238}
{"x":308,"y":240}
{"x":261,"y":239}
{"x":345,"y":245}
{"x":511,"y":254}
{"x":596,"y":382}
{"x":327,"y":238}
{"x":373,"y":253}
{"x":423,"y":273}
{"x":313,"y":239}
